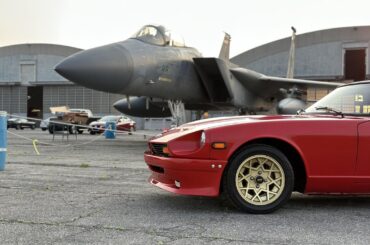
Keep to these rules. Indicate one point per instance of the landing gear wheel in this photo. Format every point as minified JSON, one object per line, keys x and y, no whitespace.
{"x":259,"y":180}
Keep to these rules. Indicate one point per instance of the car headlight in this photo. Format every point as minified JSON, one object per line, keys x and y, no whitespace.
{"x":188,"y":143}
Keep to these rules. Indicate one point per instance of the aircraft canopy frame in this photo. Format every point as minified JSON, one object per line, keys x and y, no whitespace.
{"x":159,"y":35}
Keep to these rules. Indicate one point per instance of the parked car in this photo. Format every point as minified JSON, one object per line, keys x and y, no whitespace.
{"x":20,"y":123}
{"x":123,"y":123}
{"x":257,"y":161}
{"x":44,"y":124}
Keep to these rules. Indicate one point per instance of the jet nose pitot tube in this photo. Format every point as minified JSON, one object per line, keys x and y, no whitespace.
{"x":108,"y":68}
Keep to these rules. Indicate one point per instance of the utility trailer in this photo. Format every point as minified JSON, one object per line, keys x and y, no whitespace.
{"x":80,"y":118}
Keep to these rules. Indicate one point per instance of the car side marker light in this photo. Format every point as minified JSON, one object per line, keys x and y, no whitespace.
{"x":219,"y":145}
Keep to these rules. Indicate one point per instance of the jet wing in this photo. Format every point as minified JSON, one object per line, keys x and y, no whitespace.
{"x":266,"y":86}
{"x":224,"y":80}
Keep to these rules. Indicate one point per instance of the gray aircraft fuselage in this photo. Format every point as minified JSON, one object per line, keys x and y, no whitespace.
{"x":137,"y":68}
{"x":153,"y":65}
{"x":158,"y":71}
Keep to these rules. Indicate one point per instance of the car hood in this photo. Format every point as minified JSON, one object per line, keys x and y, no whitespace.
{"x":97,"y":123}
{"x":236,"y":120}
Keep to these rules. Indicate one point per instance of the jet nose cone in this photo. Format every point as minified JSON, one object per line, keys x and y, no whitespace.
{"x":121,"y":106}
{"x":108,"y":68}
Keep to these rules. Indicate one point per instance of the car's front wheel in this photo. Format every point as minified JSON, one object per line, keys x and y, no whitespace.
{"x":259,"y":179}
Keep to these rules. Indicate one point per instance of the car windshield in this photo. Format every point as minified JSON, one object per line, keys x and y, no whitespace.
{"x":351,"y":99}
{"x":109,"y":119}
{"x":159,"y":35}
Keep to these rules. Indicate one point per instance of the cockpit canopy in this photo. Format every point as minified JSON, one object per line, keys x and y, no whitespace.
{"x":159,"y":35}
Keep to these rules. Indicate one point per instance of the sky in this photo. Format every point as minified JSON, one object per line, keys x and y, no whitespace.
{"x":90,"y":23}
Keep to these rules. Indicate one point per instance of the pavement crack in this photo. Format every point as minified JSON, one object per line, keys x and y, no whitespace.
{"x":31,"y":222}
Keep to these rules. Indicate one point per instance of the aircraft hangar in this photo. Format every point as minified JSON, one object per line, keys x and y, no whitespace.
{"x":339,"y":54}
{"x":29,"y":85}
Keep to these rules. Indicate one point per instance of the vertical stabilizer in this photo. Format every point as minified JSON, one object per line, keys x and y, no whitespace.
{"x":291,"y":61}
{"x":225,"y":49}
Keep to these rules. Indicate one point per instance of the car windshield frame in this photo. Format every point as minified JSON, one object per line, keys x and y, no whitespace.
{"x":350,"y":100}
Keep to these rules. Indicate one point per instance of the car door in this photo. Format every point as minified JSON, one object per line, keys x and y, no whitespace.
{"x":362,"y":181}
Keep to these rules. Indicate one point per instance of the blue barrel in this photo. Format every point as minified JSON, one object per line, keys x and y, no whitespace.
{"x":3,"y":139}
{"x":110,"y":132}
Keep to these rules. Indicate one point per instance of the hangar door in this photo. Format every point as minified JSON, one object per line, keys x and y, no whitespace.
{"x":355,"y":64}
{"x":34,"y":102}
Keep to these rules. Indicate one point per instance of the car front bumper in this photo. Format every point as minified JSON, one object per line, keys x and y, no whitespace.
{"x":199,"y":177}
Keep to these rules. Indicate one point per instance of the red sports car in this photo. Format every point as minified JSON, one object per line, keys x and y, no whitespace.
{"x":123,"y":123}
{"x":258,"y":161}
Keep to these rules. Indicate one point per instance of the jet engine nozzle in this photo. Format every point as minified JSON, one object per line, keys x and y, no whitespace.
{"x":107,"y":68}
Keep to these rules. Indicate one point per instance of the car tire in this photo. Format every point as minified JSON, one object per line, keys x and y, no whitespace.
{"x":43,"y":129}
{"x":259,"y":179}
{"x":33,"y":127}
{"x":71,"y":129}
{"x":79,"y":131}
{"x":92,"y":132}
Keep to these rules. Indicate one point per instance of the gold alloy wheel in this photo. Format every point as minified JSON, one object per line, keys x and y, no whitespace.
{"x":260,"y":180}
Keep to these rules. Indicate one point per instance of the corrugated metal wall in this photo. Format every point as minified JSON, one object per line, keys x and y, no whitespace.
{"x":99,"y":103}
{"x":13,"y":99}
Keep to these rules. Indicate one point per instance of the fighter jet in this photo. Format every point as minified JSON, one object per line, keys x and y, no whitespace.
{"x":164,"y":73}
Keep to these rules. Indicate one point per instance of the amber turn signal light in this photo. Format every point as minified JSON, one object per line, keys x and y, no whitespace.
{"x":165,"y":150}
{"x":219,"y":145}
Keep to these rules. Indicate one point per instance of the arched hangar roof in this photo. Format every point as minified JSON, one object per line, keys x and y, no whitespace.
{"x":319,"y":54}
{"x":32,"y":63}
{"x":38,"y":48}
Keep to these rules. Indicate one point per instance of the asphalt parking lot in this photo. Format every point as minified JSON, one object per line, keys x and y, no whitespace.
{"x":97,"y":193}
